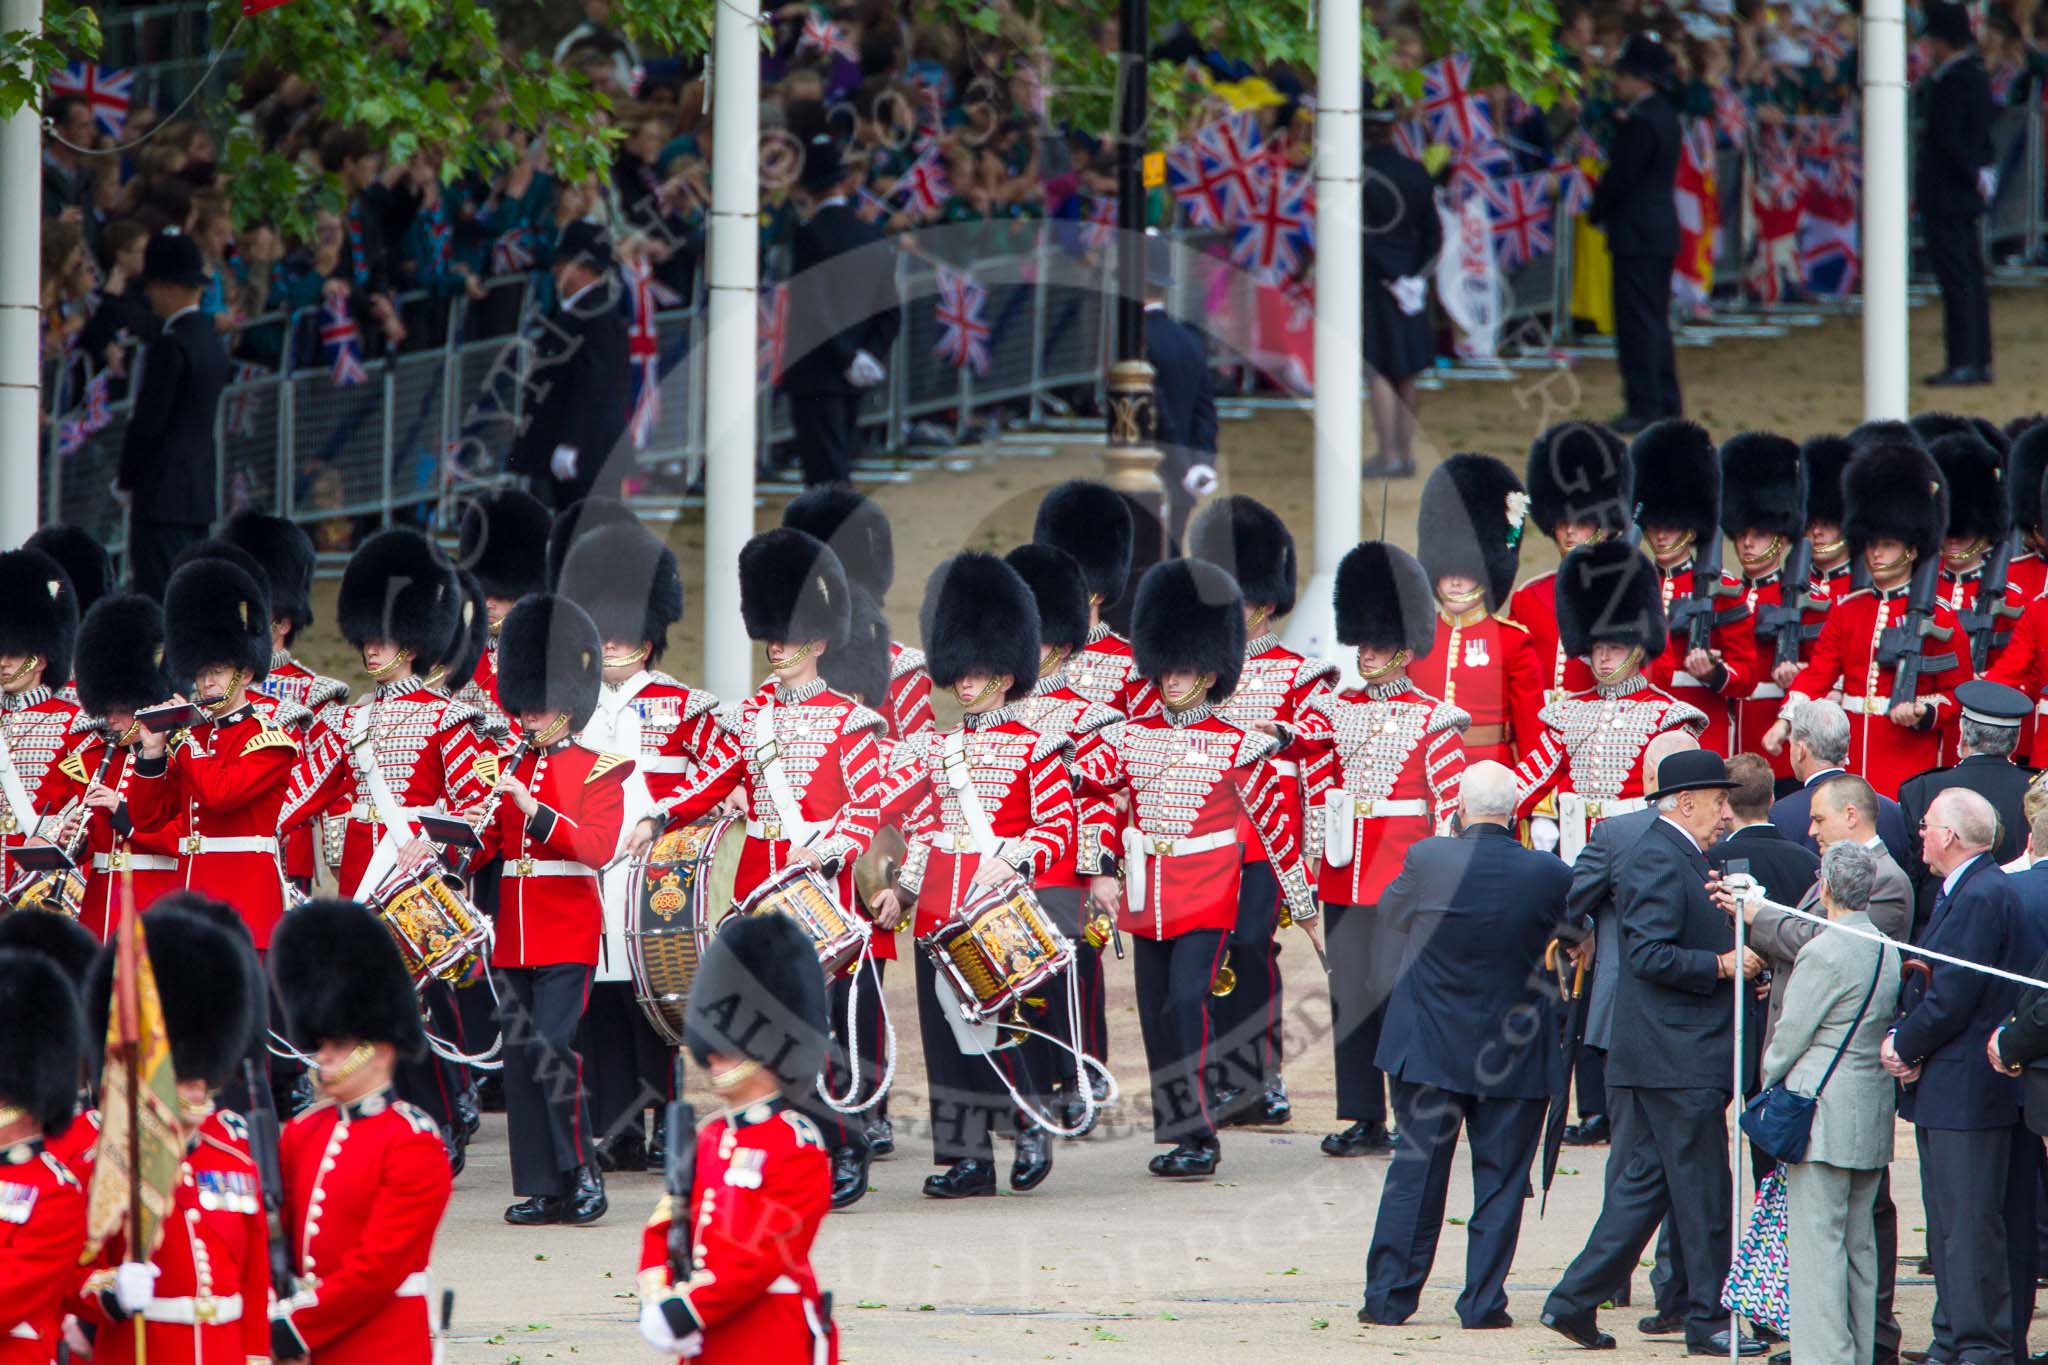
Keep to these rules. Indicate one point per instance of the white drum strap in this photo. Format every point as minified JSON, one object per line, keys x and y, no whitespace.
{"x":960,"y":777}
{"x":13,"y":788}
{"x":768,"y":753}
{"x":362,"y":751}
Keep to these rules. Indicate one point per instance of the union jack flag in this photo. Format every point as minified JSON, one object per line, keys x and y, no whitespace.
{"x":339,"y":340}
{"x":106,"y":88}
{"x":71,"y":434}
{"x":771,"y":327}
{"x":1193,"y":179}
{"x":643,"y":349}
{"x":1238,"y":162}
{"x":1475,"y":165}
{"x":1300,"y":293}
{"x":98,"y":398}
{"x":1731,"y":111}
{"x":924,"y":182}
{"x":1831,"y":157}
{"x":1280,"y":227}
{"x":1410,"y":140}
{"x":240,"y":417}
{"x":826,"y":36}
{"x":1520,"y":208}
{"x":1454,"y":114}
{"x":1098,"y":230}
{"x":512,"y":253}
{"x":1828,"y":265}
{"x":963,"y":322}
{"x":1825,"y":41}
{"x":1780,"y":182}
{"x":1574,"y":187}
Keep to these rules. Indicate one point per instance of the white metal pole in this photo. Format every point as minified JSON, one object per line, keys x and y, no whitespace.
{"x":1339,"y":362}
{"x":1886,"y":228}
{"x":21,"y":239}
{"x":730,"y":385}
{"x":1735,"y":1144}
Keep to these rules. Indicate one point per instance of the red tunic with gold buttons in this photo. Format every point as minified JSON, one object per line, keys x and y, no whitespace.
{"x":1488,"y":667}
{"x":1732,"y":638}
{"x":1277,"y":686}
{"x":113,"y":846}
{"x":365,"y":1186}
{"x":550,"y":906}
{"x":1055,"y":708}
{"x":1398,"y":754}
{"x":1535,"y":605}
{"x":763,"y":1186}
{"x":78,"y":1144}
{"x":2023,"y":664}
{"x":910,"y":692}
{"x":42,"y":1230}
{"x":1959,"y":595}
{"x":212,"y":1295}
{"x":1592,"y":749}
{"x":1756,"y":713}
{"x":291,"y":681}
{"x":35,"y":726}
{"x":1105,"y":671}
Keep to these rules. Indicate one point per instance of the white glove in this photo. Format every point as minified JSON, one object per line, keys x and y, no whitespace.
{"x":134,"y":1286}
{"x":1543,"y":835}
{"x":655,"y":1332}
{"x":1410,"y":293}
{"x":1987,"y":183}
{"x":562,"y":464}
{"x":865,"y":371}
{"x":1200,"y":480}
{"x":122,"y":497}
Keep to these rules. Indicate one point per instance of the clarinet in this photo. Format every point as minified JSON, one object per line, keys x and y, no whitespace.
{"x":77,"y":840}
{"x":489,"y":810}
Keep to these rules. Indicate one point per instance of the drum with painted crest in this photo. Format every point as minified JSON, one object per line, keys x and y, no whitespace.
{"x":673,"y":897}
{"x":999,"y":948}
{"x":806,"y":896}
{"x":59,"y":893}
{"x":438,"y":931}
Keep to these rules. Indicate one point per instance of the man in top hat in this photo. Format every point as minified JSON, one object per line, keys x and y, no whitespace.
{"x":1183,"y":394}
{"x":579,"y":388}
{"x":1988,"y":729}
{"x":1633,"y":205}
{"x":1669,"y":1070}
{"x":1979,"y":522}
{"x":1274,"y":696}
{"x":556,"y":822}
{"x":1610,"y":611}
{"x":843,"y":316}
{"x":1763,"y":512}
{"x":1955,"y":181}
{"x":762,"y":1185}
{"x":365,"y":1174}
{"x":1189,"y":775}
{"x":807,"y":761}
{"x":42,"y":1041}
{"x":166,"y":477}
{"x":1896,"y":511}
{"x":1468,"y":535}
{"x":1386,"y":779}
{"x":38,"y":626}
{"x":502,"y":540}
{"x":1092,"y":522}
{"x":1581,"y":487}
{"x":991,"y":809}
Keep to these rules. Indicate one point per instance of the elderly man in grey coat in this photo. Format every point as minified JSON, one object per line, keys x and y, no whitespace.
{"x":1841,"y":1001}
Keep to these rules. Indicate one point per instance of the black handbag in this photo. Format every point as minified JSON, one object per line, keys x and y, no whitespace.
{"x":1779,"y":1121}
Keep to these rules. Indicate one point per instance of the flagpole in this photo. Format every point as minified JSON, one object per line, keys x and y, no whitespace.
{"x":1881,"y":56}
{"x":21,"y":235}
{"x":130,"y":1005}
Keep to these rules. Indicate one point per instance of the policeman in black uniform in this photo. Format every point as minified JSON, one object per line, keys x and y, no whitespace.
{"x":1633,"y":205}
{"x":1992,"y":715}
{"x":1954,"y":155}
{"x":580,"y":386}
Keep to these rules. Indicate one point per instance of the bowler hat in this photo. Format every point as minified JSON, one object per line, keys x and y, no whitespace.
{"x":1693,"y":770}
{"x":172,"y":258}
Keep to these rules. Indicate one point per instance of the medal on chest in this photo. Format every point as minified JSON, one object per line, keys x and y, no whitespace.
{"x":17,"y":1202}
{"x":1475,"y":651}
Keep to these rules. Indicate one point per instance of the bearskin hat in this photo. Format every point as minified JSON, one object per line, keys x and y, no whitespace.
{"x":1825,"y":459}
{"x":2025,"y":468}
{"x":1763,"y":485}
{"x":1895,"y":492}
{"x":286,"y":553}
{"x":1580,"y":472}
{"x":42,"y":1037}
{"x":1677,"y":478}
{"x":1470,"y":524}
{"x":222,"y":549}
{"x":454,"y":670}
{"x":60,"y":938}
{"x":1608,"y":593}
{"x":1992,"y":435}
{"x":629,"y":583}
{"x":229,"y":921}
{"x":549,"y":659}
{"x":578,"y":520}
{"x":860,"y":667}
{"x":1244,"y":538}
{"x":210,"y":1013}
{"x":1979,"y":508}
{"x":38,"y":612}
{"x":1092,"y":522}
{"x":83,"y":558}
{"x":792,"y":587}
{"x":340,"y":976}
{"x":979,"y":617}
{"x":120,"y":656}
{"x":503,"y":540}
{"x":855,"y":528}
{"x":215,"y":613}
{"x":1932,"y":426}
{"x":398,"y":587}
{"x":759,"y":993}
{"x":1385,"y":600}
{"x":1061,"y":592}
{"x":1189,"y":617}
{"x":1883,"y":431}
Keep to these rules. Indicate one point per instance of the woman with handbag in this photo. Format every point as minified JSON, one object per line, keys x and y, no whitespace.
{"x":1823,"y":1058}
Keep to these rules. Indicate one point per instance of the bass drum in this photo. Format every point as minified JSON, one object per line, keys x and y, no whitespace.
{"x":674,"y":900}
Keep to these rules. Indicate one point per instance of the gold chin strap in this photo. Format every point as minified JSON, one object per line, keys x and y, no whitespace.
{"x":1400,"y":660}
{"x":1258,"y":619}
{"x":1833,"y":547}
{"x":1053,"y":662}
{"x":11,"y":1114}
{"x":359,"y":1057}
{"x":390,"y":670}
{"x":792,"y":660}
{"x":128,"y":735}
{"x":1457,"y":604}
{"x":1966,"y":554}
{"x":1629,"y":665}
{"x":220,"y":705}
{"x":1776,"y":547}
{"x":192,"y":1115}
{"x":1675,"y":552}
{"x":981,"y":696}
{"x":554,"y":730}
{"x":734,"y":1076}
{"x":437,"y":676}
{"x":626,"y":660}
{"x":1190,"y":697}
{"x":1902,"y":567}
{"x":28,"y":665}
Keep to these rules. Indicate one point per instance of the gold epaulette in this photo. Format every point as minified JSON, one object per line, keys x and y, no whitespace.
{"x":605,"y":763}
{"x":73,"y":767}
{"x":486,"y":766}
{"x":270,"y":737}
{"x":1507,"y":620}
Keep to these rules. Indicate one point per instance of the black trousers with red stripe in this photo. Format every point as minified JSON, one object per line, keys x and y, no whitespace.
{"x":1365,"y":959}
{"x":968,"y":1099}
{"x":629,"y":1068}
{"x":547,"y":1105}
{"x":1173,"y":977}
{"x":1247,"y":1021}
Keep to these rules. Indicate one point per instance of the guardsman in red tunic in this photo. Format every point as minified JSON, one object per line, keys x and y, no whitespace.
{"x":1581,"y":488}
{"x":502,"y":538}
{"x":453,"y":675}
{"x":1763,"y":512}
{"x":1190,"y":775}
{"x":72,"y":950}
{"x":991,"y":805}
{"x":1678,"y":506}
{"x":2026,"y":464}
{"x":42,"y":1201}
{"x":1273,"y":697}
{"x":366,"y":1176}
{"x":204,"y":1292}
{"x":1611,"y":613}
{"x":38,"y":626}
{"x":1824,"y":459}
{"x":742,"y":1291}
{"x":1896,"y":512}
{"x":807,"y":761}
{"x":1092,"y":522}
{"x":223,"y":782}
{"x":1979,"y":520}
{"x":1386,"y":779}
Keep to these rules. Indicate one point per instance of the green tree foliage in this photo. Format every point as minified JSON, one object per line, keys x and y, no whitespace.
{"x":28,"y":60}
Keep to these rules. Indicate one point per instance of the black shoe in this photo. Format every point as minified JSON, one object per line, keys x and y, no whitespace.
{"x":1492,"y":1322}
{"x":1228,"y":1105}
{"x":1077,"y":1117}
{"x":586,"y":1203}
{"x":1241,"y":1109}
{"x":1380,"y":467}
{"x":1592,"y":1132}
{"x":881,"y":1137}
{"x":1661,"y":1324}
{"x":490,"y":1094}
{"x":624,"y":1151}
{"x":1781,"y":1358}
{"x":1371,"y":1319}
{"x":1582,"y":1329}
{"x":962,"y":1180}
{"x":458,"y":1155}
{"x":1959,"y":376}
{"x":849,"y":1176}
{"x":1033,"y":1162}
{"x":1768,"y":1335}
{"x":657,"y":1146}
{"x":1717,"y":1345}
{"x":1360,"y":1139}
{"x":468,"y":1118}
{"x":1274,"y":1106}
{"x":1194,"y":1157}
{"x":536,"y":1212}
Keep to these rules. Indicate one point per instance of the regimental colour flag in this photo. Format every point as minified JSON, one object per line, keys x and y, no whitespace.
{"x":107,"y":89}
{"x":340,"y":343}
{"x":134,"y":1182}
{"x":963,"y":321}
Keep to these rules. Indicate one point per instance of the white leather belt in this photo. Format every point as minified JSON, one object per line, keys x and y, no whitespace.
{"x":365,"y":812}
{"x":415,"y":1286}
{"x":241,"y":843}
{"x":949,"y":841}
{"x":770,"y":830}
{"x":187,"y":1312}
{"x":1766,"y":692}
{"x":1194,"y":843}
{"x":1286,"y":767}
{"x":2041,"y":707}
{"x":665,"y":763}
{"x":1384,"y":810}
{"x":1876,"y":706}
{"x":536,"y":867}
{"x":134,"y":862}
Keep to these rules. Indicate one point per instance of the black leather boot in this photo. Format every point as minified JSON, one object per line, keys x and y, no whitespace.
{"x":1033,"y":1162}
{"x":962,"y":1180}
{"x":586,"y":1203}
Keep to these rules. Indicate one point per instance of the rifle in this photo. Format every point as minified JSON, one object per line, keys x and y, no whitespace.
{"x":1981,"y":622}
{"x":263,"y":1146}
{"x":679,"y":1178}
{"x":1696,"y":613}
{"x":1786,"y":620}
{"x":1903,"y":646}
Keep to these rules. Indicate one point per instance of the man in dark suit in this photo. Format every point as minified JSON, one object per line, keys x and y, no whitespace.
{"x":1818,"y":749}
{"x":1183,"y":395}
{"x":2019,"y":1048}
{"x":580,"y":387}
{"x":1785,"y":869}
{"x":1953,"y":187}
{"x":1633,"y":205}
{"x":1990,"y":730}
{"x":1468,"y":1043}
{"x":842,"y":318}
{"x":1669,"y":1070}
{"x":168,"y":468}
{"x":1977,"y":1161}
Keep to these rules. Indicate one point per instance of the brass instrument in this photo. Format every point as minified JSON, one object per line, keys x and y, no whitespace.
{"x":1225,"y":980}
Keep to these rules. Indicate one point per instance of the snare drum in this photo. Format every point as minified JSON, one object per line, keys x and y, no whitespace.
{"x":438,"y":932}
{"x":60,"y":893}
{"x":806,"y":897}
{"x":672,"y":899}
{"x":999,"y":948}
